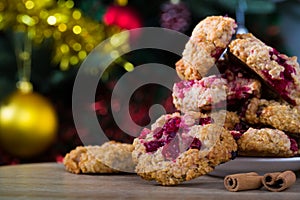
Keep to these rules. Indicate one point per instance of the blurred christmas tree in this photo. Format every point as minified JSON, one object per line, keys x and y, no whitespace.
{"x":61,"y":34}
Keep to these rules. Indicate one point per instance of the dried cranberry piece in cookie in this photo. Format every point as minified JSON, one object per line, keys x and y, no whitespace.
{"x":196,"y":144}
{"x":171,"y":150}
{"x":236,"y":134}
{"x":144,"y":133}
{"x":280,"y":72}
{"x":286,"y":80}
{"x":153,"y":145}
{"x":294,"y":145}
{"x":163,"y":135}
{"x":172,"y":135}
{"x":171,"y":128}
{"x":213,"y":92}
{"x":217,"y":53}
{"x":194,"y":151}
{"x":206,"y":120}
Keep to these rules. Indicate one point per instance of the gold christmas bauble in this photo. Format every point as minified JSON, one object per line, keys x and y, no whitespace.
{"x":28,"y":124}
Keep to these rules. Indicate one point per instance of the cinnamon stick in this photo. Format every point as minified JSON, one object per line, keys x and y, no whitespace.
{"x":243,"y":181}
{"x":279,"y":181}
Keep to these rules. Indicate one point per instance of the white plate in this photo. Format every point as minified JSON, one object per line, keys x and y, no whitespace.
{"x":259,"y":165}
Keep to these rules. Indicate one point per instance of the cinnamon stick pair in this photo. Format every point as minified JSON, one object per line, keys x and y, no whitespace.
{"x":278,"y":181}
{"x":275,"y":182}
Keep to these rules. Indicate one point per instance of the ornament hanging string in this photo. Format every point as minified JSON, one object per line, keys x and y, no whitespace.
{"x":23,"y":50}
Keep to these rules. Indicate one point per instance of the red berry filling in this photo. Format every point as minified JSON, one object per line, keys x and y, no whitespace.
{"x":281,"y":85}
{"x":172,"y":150}
{"x":238,"y":92}
{"x":153,"y":145}
{"x":173,"y":139}
{"x":217,"y":53}
{"x":238,"y":86}
{"x":164,"y":135}
{"x":144,"y":133}
{"x":182,"y":85}
{"x":204,"y":121}
{"x":185,"y":84}
{"x":236,"y":134}
{"x":196,"y":144}
{"x":294,"y":146}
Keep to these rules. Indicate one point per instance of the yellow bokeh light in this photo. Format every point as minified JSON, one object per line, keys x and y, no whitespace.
{"x":74,"y":60}
{"x":82,"y":55}
{"x":27,"y":20}
{"x":51,"y":20}
{"x":128,"y":66}
{"x":64,"y":48}
{"x":77,"y":29}
{"x":119,"y":39}
{"x":64,"y":64}
{"x":62,"y":27}
{"x":7,"y":113}
{"x":32,"y":33}
{"x":122,"y":2}
{"x":29,"y":4}
{"x":76,"y":46}
{"x":24,"y":55}
{"x":114,"y":54}
{"x":76,"y":14}
{"x":69,"y":4}
{"x":24,"y":86}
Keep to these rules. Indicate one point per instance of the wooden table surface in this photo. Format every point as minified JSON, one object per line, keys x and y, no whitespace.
{"x":51,"y":181}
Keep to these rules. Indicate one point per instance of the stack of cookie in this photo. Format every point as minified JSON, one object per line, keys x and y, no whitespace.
{"x":193,"y":141}
{"x":251,"y":92}
{"x":243,"y":102}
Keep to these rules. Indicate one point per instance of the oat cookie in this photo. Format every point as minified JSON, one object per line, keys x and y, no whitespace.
{"x":279,"y":115}
{"x":111,"y":157}
{"x":186,"y":72}
{"x":207,"y":42}
{"x":266,"y":142}
{"x":280,"y":72}
{"x":177,"y":150}
{"x":215,"y":91}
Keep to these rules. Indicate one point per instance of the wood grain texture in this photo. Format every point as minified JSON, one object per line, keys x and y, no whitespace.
{"x":51,"y":181}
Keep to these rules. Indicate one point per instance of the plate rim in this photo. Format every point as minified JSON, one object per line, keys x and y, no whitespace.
{"x":266,"y":159}
{"x":235,"y":165}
